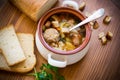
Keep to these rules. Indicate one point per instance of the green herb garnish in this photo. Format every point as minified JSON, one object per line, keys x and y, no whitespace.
{"x":48,"y":72}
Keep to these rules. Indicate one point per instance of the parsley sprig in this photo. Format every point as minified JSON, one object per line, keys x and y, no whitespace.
{"x":48,"y":72}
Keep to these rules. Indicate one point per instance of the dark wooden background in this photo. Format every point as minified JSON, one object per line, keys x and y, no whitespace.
{"x":100,"y":63}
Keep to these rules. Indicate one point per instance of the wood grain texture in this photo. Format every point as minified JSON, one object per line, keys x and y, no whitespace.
{"x":100,"y":63}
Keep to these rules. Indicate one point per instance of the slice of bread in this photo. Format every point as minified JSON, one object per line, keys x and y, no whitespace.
{"x":10,"y":46}
{"x":27,"y":44}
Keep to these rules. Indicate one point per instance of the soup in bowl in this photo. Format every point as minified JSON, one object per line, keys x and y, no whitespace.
{"x":57,"y":35}
{"x":56,"y":42}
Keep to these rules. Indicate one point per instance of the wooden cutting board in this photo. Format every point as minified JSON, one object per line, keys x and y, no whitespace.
{"x":100,"y":63}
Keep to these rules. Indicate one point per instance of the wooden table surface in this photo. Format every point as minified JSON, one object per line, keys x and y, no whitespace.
{"x":100,"y":63}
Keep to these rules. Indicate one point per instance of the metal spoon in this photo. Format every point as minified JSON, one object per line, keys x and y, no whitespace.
{"x":97,"y":14}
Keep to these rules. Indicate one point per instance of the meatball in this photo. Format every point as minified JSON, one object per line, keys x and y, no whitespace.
{"x":51,"y":35}
{"x":76,"y":39}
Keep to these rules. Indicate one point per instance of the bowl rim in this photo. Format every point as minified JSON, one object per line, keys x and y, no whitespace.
{"x":71,"y":11}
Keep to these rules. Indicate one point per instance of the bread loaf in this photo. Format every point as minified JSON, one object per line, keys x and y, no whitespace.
{"x":34,"y":8}
{"x":27,"y":44}
{"x":10,"y":46}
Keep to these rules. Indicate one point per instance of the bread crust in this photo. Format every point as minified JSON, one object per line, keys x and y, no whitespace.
{"x":10,"y":46}
{"x":29,"y":63}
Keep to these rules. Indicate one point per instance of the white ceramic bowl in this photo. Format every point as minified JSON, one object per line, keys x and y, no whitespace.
{"x":56,"y":57}
{"x":61,"y":58}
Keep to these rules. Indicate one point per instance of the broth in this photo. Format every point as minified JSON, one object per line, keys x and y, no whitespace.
{"x":57,"y":35}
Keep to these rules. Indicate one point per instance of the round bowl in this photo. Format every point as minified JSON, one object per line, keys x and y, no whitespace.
{"x":81,"y":50}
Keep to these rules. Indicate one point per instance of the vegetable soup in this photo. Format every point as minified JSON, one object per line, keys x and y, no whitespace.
{"x":57,"y":35}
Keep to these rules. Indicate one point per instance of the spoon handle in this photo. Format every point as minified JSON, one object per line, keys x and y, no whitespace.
{"x":94,"y":16}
